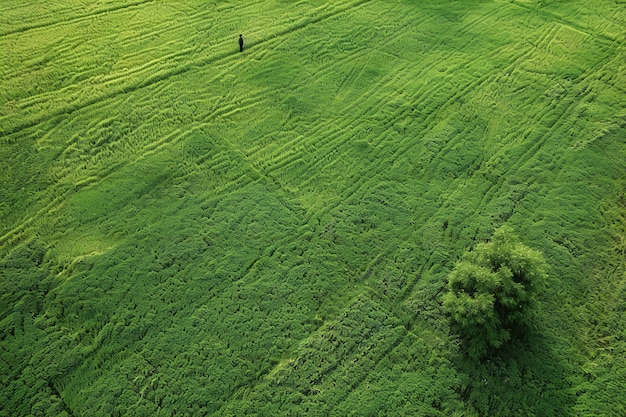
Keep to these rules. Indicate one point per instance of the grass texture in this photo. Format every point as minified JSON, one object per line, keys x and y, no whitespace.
{"x":186,"y":230}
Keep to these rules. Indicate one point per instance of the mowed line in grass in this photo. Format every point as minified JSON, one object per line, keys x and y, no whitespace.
{"x":488,"y":194}
{"x":145,"y":75}
{"x":359,"y":116}
{"x":92,"y":179}
{"x":280,"y":151}
{"x":40,"y":23}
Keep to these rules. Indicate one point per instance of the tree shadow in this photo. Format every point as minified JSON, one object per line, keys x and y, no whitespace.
{"x":528,"y":377}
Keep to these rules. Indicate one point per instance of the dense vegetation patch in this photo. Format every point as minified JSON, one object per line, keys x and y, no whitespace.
{"x":491,"y":291}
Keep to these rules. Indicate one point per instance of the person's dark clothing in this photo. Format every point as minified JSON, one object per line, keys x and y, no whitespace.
{"x":240,"y":43}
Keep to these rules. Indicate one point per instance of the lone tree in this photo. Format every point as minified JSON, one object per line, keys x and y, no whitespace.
{"x":490,"y":290}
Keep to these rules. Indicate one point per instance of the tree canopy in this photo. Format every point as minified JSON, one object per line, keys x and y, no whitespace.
{"x":490,"y":290}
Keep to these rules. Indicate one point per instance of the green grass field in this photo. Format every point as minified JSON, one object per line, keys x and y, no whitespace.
{"x":186,"y":230}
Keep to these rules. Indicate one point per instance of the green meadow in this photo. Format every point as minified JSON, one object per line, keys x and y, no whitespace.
{"x":187,"y":230}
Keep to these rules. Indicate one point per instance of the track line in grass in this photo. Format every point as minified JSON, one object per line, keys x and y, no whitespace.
{"x":209,"y":118}
{"x":332,"y":129}
{"x":349,"y":353}
{"x":549,"y":16}
{"x":64,"y":171}
{"x":520,"y":160}
{"x":150,"y":149}
{"x":162,"y":74}
{"x":534,"y":147}
{"x":544,"y":41}
{"x":483,"y":80}
{"x":339,"y":129}
{"x":315,"y":19}
{"x":365,"y":376}
{"x":19,"y":232}
{"x":489,"y":195}
{"x":482,"y":17}
{"x":442,"y":108}
{"x":73,"y":19}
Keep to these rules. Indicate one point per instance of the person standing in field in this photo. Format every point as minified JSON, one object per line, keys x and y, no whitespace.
{"x":240,"y":43}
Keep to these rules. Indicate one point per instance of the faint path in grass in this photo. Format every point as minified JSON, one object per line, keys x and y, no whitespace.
{"x":71,"y":19}
{"x":147,"y":78}
{"x":550,"y":16}
{"x":150,"y":73}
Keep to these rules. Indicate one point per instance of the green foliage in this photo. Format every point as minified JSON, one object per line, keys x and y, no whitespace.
{"x":490,"y":292}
